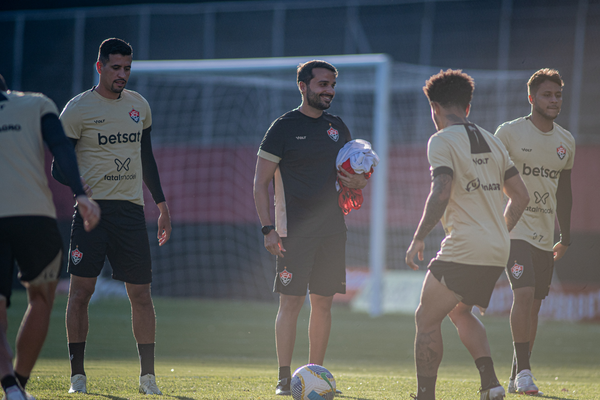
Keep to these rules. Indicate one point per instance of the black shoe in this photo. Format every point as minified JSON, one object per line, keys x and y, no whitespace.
{"x":283,"y":387}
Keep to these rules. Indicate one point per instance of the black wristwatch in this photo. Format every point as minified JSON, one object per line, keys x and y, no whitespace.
{"x":266,"y":229}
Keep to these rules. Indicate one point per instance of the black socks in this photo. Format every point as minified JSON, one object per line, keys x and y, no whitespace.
{"x":487,"y":373}
{"x":146,"y":353}
{"x":76,"y":355}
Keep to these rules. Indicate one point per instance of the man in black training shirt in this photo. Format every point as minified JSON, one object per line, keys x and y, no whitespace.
{"x":299,"y":154}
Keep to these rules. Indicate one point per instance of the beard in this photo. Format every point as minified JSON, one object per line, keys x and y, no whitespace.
{"x":543,"y":113}
{"x":314,"y":100}
{"x":115,"y":89}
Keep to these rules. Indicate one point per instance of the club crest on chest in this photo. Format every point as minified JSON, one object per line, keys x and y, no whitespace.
{"x":333,"y":134}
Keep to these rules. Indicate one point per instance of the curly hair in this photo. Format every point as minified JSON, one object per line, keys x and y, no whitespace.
{"x":450,"y":88}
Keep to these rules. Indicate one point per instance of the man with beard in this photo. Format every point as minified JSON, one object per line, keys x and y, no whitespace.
{"x":110,"y":128}
{"x":299,"y":154}
{"x":543,"y":152}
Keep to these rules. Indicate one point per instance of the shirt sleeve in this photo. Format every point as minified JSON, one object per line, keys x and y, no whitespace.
{"x":148,"y":118}
{"x":439,"y":156}
{"x":150,"y":169}
{"x":571,"y":159}
{"x":272,"y":146}
{"x":65,"y":162}
{"x":71,"y":120}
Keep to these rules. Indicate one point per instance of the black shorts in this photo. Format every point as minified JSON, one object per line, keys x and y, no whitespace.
{"x":121,"y":236}
{"x":318,"y":263}
{"x":473,"y":284}
{"x":34,"y":243}
{"x":529,"y":266}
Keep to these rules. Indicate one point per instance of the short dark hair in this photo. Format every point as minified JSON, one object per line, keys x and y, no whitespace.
{"x":3,"y":86}
{"x":450,"y":88}
{"x":304,"y":71}
{"x":541,"y":76}
{"x":113,"y":46}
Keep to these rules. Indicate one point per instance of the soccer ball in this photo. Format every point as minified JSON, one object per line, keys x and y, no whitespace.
{"x":313,"y":382}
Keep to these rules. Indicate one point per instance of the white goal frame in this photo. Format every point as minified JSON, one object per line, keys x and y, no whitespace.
{"x":382,"y":65}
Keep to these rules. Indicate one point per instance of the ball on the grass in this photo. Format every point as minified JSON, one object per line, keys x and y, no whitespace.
{"x":313,"y":382}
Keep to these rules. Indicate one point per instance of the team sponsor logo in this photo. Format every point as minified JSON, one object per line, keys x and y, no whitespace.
{"x":285,"y":277}
{"x":135,"y":115}
{"x":540,"y":171}
{"x":333,"y":134}
{"x":76,"y":256}
{"x":119,"y":138}
{"x":561,"y":151}
{"x":473,"y":185}
{"x":17,"y":127}
{"x":300,"y":137}
{"x":516,"y":270}
{"x":99,"y":121}
{"x":476,"y":184}
{"x":541,"y":197}
{"x":480,"y":161}
{"x":526,"y":150}
{"x":124,"y":177}
{"x":122,"y":165}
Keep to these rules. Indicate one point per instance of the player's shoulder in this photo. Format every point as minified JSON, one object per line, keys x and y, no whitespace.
{"x":332,"y":117}
{"x":512,"y":126}
{"x":33,"y":100}
{"x":80,"y":99}
{"x":564,"y":132}
{"x":132,"y":94}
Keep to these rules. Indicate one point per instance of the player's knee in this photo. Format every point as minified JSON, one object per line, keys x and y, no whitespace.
{"x":42,"y":295}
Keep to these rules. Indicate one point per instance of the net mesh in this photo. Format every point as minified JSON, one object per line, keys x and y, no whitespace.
{"x":206,"y":131}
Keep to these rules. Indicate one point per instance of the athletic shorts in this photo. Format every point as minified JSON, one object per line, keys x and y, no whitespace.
{"x":121,"y":236}
{"x":34,"y":243}
{"x":318,"y":263}
{"x":472,"y":284}
{"x":529,"y":266}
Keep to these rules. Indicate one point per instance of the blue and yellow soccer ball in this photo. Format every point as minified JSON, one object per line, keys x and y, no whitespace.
{"x":313,"y":382}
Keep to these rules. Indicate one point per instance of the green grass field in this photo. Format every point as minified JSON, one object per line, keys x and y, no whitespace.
{"x":225,"y":350}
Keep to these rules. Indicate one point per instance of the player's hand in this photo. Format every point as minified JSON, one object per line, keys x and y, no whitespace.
{"x":352,"y":181}
{"x":86,"y":187}
{"x":90,"y":212}
{"x":416,"y":248}
{"x":164,"y":224}
{"x":273,"y":244}
{"x":559,"y":250}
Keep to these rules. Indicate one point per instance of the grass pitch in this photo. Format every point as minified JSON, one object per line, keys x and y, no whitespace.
{"x":225,"y":350}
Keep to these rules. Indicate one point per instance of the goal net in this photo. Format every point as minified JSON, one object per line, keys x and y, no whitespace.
{"x":209,"y":118}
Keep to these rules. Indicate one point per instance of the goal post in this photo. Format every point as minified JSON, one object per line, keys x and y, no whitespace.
{"x":209,"y":117}
{"x":380,"y":86}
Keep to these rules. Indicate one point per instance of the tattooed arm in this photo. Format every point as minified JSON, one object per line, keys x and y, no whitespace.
{"x":435,"y":207}
{"x":515,"y":189}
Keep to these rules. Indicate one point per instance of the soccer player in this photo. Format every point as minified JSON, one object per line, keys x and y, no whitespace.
{"x":470,"y":171}
{"x":543,"y":152}
{"x":28,"y":230}
{"x":110,"y":127}
{"x":299,"y":154}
